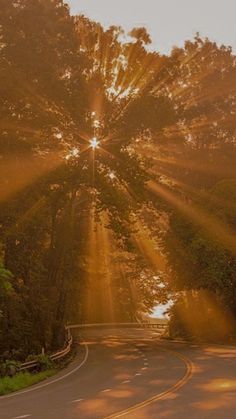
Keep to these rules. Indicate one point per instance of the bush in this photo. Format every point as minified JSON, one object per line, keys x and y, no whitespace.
{"x":9,"y":368}
{"x":44,"y":362}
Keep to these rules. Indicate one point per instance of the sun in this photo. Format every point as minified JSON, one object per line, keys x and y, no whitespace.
{"x":94,"y":143}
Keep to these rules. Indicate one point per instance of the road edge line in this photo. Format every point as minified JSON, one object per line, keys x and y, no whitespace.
{"x":19,"y":393}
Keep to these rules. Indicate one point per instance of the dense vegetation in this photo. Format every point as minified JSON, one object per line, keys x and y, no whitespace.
{"x":96,"y":234}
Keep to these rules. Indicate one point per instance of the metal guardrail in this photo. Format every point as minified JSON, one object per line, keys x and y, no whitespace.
{"x":53,"y":357}
{"x":64,"y":352}
{"x":147,"y":325}
{"x":60,"y":354}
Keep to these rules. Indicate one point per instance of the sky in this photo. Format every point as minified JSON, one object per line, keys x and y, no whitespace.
{"x":160,"y":310}
{"x":169,"y":22}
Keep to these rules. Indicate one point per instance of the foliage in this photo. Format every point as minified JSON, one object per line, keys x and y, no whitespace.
{"x":22,"y":380}
{"x":9,"y":368}
{"x":44,"y":362}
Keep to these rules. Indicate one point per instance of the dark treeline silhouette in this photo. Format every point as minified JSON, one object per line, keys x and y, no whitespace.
{"x":105,"y":233}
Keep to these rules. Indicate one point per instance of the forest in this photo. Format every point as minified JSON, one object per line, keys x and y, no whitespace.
{"x":118,"y":178}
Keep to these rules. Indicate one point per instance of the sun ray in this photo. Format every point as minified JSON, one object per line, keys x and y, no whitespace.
{"x":18,"y":173}
{"x":212,"y":225}
{"x":99,"y":298}
{"x":22,"y":219}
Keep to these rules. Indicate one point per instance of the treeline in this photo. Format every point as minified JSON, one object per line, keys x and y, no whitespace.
{"x":194,"y":165}
{"x":92,"y":235}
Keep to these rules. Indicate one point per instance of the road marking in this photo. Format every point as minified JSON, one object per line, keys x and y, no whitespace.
{"x":180,"y":383}
{"x":105,"y":391}
{"x":125,"y":381}
{"x":144,"y":368}
{"x":22,"y":416}
{"x":76,"y":401}
{"x":50,"y":382}
{"x":138,"y":373}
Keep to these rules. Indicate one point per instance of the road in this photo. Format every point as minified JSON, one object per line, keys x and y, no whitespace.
{"x":130,"y":373}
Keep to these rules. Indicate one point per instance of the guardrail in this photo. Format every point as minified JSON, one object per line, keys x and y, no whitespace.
{"x":53,"y":357}
{"x":156,"y":325}
{"x":60,"y":354}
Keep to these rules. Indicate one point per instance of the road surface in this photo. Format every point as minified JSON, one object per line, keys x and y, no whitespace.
{"x":130,"y":373}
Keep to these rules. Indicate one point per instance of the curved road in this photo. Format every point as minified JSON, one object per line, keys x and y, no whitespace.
{"x":130,"y":373}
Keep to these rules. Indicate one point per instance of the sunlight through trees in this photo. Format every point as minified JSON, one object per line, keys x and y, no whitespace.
{"x":117,"y":165}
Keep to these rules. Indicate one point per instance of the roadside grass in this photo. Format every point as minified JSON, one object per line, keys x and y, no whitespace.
{"x":23,"y":380}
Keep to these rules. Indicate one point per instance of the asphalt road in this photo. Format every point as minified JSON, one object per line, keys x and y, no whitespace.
{"x":130,"y":373}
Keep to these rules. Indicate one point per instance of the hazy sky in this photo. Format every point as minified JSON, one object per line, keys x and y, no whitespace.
{"x":169,"y":22}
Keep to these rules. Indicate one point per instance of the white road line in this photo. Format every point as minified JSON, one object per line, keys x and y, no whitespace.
{"x":160,"y":396}
{"x":125,"y":381}
{"x":22,"y":416}
{"x":105,"y":391}
{"x":76,"y":401}
{"x":19,"y":393}
{"x":144,"y":368}
{"x":138,"y":373}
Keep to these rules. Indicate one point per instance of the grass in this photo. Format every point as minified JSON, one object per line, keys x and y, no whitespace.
{"x":23,"y":380}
